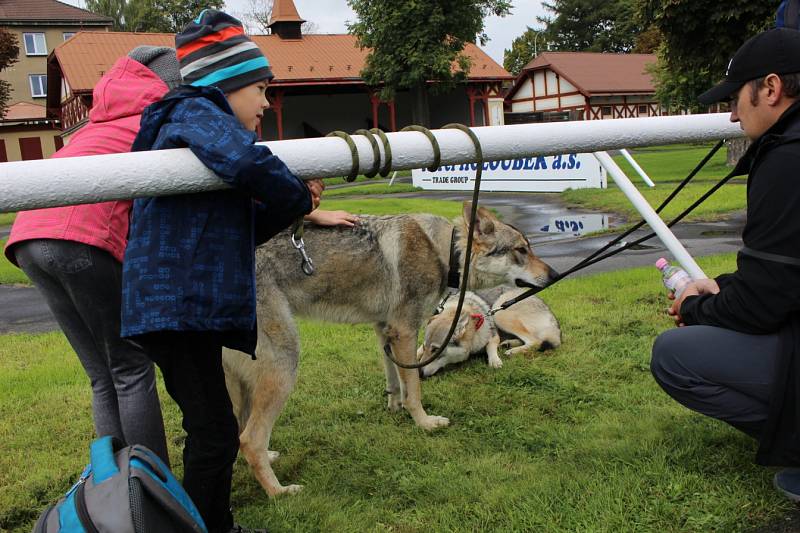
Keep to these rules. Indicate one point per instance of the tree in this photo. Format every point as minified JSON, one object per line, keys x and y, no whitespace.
{"x":523,"y":49}
{"x":414,"y":42}
{"x":699,"y":38}
{"x":591,"y":25}
{"x":168,"y":16}
{"x":176,"y":14}
{"x":9,"y":50}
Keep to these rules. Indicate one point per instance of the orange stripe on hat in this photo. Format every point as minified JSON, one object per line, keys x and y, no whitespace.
{"x":206,"y":40}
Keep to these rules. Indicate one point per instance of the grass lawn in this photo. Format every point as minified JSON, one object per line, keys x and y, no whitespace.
{"x":9,"y":274}
{"x":6,"y":219}
{"x":362,"y":178}
{"x":390,"y":206}
{"x":578,"y":439}
{"x":370,"y":188}
{"x":667,"y":166}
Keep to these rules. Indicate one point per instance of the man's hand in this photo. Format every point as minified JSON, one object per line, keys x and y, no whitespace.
{"x":694,"y":288}
{"x":315,"y":187}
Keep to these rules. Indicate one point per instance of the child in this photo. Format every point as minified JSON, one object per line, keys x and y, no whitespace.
{"x":188,"y":276}
{"x":74,"y":256}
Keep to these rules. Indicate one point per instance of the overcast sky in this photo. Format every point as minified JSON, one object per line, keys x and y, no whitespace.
{"x":330,"y":16}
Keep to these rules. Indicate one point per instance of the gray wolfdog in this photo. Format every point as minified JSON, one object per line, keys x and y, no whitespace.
{"x":530,"y":325}
{"x":390,"y":271}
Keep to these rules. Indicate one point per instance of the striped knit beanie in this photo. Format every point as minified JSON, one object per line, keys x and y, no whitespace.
{"x":213,"y":50}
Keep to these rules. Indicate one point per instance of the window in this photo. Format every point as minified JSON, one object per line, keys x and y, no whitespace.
{"x":38,"y":85}
{"x":30,"y":148}
{"x":35,"y":45}
{"x":643,"y":110}
{"x":68,"y":34}
{"x":606,"y":110}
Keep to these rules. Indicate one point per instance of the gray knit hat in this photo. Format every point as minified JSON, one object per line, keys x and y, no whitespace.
{"x":161,"y":60}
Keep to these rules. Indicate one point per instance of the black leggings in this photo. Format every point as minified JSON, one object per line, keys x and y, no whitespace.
{"x":191,"y":363}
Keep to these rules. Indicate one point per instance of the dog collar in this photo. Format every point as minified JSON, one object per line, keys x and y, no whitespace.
{"x":453,"y":275}
{"x":479,"y":319}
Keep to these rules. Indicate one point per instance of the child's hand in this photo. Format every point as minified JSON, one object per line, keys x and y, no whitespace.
{"x":315,"y":187}
{"x":321,"y":217}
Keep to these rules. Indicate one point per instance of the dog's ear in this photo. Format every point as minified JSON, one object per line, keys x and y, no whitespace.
{"x":461,"y":327}
{"x":484,"y":220}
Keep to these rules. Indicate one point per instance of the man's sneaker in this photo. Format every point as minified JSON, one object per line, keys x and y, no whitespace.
{"x":239,"y":529}
{"x":788,"y":482}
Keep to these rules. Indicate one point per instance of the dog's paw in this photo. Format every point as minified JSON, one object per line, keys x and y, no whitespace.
{"x":522,"y":349}
{"x":394,"y":404}
{"x":510,"y":343}
{"x":429,"y":423}
{"x":287,"y":490}
{"x":495,"y":363}
{"x":272,"y":456}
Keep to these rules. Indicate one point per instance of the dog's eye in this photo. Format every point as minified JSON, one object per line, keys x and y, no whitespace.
{"x":522,"y":250}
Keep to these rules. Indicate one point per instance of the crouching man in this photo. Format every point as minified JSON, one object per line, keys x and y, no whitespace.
{"x":738,"y":357}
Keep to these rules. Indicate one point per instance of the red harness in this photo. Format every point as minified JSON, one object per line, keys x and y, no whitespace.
{"x":479,"y":319}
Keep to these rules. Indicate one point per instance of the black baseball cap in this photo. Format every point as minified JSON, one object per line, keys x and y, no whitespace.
{"x":774,"y":51}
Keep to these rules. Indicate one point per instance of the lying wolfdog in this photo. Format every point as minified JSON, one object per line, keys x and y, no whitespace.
{"x":530,"y":325}
{"x":390,"y":271}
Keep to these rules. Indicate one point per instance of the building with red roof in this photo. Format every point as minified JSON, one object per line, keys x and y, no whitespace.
{"x":584,"y":86}
{"x":39,"y":26}
{"x":317,"y":86}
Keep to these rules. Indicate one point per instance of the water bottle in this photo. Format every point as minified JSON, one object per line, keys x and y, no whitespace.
{"x":675,"y":278}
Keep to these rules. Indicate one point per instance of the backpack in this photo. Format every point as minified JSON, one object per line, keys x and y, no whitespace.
{"x":122,"y":490}
{"x":788,"y":15}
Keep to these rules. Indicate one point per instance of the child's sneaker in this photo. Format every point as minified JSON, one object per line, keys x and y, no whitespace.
{"x":788,"y":482}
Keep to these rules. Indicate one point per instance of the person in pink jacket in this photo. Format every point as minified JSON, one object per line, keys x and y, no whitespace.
{"x":74,"y":256}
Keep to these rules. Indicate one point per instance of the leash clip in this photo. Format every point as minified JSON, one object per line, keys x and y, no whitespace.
{"x":307,"y":264}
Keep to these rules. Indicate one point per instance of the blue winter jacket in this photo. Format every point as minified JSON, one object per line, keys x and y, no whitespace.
{"x":190,"y":260}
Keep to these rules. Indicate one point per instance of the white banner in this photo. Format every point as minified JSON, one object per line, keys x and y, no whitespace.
{"x":533,"y":174}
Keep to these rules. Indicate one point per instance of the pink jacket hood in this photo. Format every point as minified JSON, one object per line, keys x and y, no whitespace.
{"x":119,"y":99}
{"x":125,"y":91}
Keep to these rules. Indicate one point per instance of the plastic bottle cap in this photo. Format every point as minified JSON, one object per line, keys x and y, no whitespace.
{"x":661,"y":263}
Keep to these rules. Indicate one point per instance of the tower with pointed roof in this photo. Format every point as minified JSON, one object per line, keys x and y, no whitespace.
{"x":285,"y":20}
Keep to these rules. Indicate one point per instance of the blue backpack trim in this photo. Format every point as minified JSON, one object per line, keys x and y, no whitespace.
{"x":68,"y":516}
{"x":101,"y":453}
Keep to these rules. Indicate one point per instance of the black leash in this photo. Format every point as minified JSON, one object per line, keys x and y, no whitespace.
{"x":593,"y":258}
{"x":387,"y":348}
{"x":596,"y":256}
{"x":297,"y":234}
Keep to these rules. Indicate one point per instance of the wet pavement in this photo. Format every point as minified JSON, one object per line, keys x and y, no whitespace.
{"x":533,"y":213}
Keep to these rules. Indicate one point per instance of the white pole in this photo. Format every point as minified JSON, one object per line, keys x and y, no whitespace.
{"x":639,"y":170}
{"x":608,"y":170}
{"x":66,"y":181}
{"x":650,"y":215}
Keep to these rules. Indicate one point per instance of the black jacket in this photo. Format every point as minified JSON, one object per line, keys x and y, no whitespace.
{"x":763,"y":294}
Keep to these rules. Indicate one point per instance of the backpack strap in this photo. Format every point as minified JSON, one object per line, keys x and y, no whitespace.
{"x":101,"y":453}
